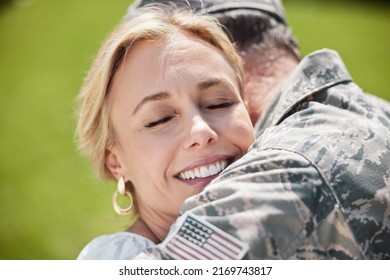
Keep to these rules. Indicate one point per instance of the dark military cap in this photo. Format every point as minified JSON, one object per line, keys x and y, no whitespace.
{"x":273,"y":7}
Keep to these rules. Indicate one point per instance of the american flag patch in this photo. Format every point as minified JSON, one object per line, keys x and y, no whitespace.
{"x":193,"y":239}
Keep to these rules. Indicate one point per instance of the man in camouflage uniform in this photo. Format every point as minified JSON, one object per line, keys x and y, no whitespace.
{"x":316,"y":182}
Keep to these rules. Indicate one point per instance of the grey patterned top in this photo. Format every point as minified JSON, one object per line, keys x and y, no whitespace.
{"x":116,"y":246}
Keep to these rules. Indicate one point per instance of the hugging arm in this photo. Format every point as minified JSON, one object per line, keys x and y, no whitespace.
{"x":275,"y":202}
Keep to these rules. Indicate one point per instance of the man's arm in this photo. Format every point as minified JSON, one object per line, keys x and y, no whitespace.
{"x":274,"y":201}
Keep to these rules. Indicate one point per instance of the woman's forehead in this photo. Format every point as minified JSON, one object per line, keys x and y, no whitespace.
{"x":177,"y":63}
{"x":177,"y":49}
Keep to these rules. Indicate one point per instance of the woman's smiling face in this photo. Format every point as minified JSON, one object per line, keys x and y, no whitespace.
{"x":178,"y":118}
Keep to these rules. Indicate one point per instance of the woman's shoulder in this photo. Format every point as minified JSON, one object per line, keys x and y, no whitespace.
{"x":116,"y":246}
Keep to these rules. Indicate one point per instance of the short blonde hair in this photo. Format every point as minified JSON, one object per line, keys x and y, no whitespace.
{"x":94,"y":132}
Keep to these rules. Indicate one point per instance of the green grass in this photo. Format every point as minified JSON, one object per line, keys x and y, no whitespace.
{"x":50,"y":203}
{"x":359,"y":31}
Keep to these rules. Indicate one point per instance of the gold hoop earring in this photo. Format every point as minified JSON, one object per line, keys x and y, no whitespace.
{"x":121,"y":189}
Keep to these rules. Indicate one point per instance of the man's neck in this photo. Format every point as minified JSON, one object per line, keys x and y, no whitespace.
{"x":264,"y":76}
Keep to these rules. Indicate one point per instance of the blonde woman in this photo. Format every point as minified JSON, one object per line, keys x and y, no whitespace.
{"x":161,"y":113}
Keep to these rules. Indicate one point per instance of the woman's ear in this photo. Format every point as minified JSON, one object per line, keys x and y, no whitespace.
{"x":113,"y":164}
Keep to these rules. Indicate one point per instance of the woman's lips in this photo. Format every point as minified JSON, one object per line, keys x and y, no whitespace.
{"x":204,"y":171}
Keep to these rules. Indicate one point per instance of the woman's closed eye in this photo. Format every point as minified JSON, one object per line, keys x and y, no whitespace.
{"x":158,"y":122}
{"x":165,"y":118}
{"x":221,"y":105}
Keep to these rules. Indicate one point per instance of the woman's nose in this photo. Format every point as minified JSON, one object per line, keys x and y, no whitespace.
{"x":200,"y":133}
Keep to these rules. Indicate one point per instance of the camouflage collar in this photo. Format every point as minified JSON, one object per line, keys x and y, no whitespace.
{"x":317,"y":71}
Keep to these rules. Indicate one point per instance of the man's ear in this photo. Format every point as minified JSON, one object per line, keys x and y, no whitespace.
{"x":113,"y":164}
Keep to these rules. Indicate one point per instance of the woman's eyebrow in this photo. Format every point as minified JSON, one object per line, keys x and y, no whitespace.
{"x":203,"y":85}
{"x":150,"y":98}
{"x":210,"y":82}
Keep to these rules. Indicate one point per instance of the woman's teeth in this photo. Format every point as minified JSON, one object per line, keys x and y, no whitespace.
{"x":204,"y":171}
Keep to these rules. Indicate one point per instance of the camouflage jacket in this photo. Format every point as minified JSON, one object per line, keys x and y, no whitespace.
{"x":316,"y":182}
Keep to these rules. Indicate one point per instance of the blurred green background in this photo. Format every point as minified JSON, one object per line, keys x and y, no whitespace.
{"x":51,"y":205}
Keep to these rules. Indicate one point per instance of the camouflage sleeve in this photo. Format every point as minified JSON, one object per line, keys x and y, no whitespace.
{"x":276,"y":202}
